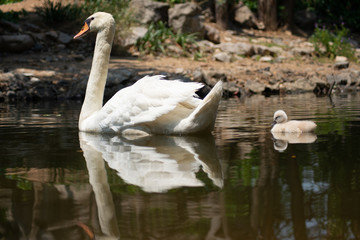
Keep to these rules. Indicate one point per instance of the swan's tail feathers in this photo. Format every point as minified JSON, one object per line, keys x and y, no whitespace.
{"x":204,"y":116}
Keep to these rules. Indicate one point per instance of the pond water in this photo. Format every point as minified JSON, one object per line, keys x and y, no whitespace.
{"x":239,"y":183}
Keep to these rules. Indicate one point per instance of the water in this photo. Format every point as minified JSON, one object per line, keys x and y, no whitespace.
{"x":240,"y":183}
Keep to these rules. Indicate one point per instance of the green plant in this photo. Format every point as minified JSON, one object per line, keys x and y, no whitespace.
{"x":9,"y":1}
{"x":155,"y":39}
{"x":159,"y":37}
{"x":57,"y":13}
{"x":332,"y":43}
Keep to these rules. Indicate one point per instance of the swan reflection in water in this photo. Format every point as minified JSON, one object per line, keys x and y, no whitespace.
{"x":282,"y":139}
{"x":157,"y":163}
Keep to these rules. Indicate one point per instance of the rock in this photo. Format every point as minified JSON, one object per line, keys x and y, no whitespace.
{"x":245,"y":17}
{"x":135,"y":34}
{"x":239,"y":48}
{"x":341,"y":59}
{"x":341,"y":65}
{"x":175,"y":50}
{"x":212,"y":33}
{"x":147,"y":11}
{"x":206,"y":46}
{"x":266,"y":59}
{"x":299,"y":85}
{"x":264,"y":50}
{"x":52,"y":35}
{"x":119,"y":76}
{"x":9,"y":26}
{"x":186,"y":18}
{"x":64,"y":38}
{"x":222,"y":57}
{"x":252,"y":86}
{"x":16,"y":43}
{"x":211,"y":77}
{"x":303,"y":51}
{"x":32,"y":27}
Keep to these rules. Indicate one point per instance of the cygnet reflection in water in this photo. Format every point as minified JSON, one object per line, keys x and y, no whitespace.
{"x":158,"y":163}
{"x":282,"y":139}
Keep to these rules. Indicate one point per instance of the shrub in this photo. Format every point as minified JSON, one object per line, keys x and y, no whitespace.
{"x":159,"y":37}
{"x":56,"y":12}
{"x":334,"y":43}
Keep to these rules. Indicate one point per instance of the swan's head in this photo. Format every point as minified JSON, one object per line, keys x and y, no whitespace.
{"x":279,"y":117}
{"x":96,"y":22}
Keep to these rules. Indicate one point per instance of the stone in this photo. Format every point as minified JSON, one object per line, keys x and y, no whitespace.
{"x":16,"y":43}
{"x":303,"y":51}
{"x":9,"y":26}
{"x":341,"y":59}
{"x":253,"y":86}
{"x":245,"y":17}
{"x":212,"y":33}
{"x":135,"y":34}
{"x":341,"y":65}
{"x":53,"y":35}
{"x":211,"y":77}
{"x":64,"y":38}
{"x":299,"y":85}
{"x":266,"y":59}
{"x":186,"y":18}
{"x":264,"y":50}
{"x":206,"y":46}
{"x":239,"y":48}
{"x":147,"y":11}
{"x":222,"y":57}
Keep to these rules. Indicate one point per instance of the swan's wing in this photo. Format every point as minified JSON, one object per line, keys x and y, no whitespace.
{"x":146,"y":100}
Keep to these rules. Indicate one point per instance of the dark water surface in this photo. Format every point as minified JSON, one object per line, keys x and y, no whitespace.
{"x":240,"y":183}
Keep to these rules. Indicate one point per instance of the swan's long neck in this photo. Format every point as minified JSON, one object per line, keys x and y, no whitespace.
{"x":96,"y":84}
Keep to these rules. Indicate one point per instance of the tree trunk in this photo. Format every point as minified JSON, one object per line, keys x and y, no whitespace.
{"x":267,"y":14}
{"x":289,"y":13}
{"x":221,"y":13}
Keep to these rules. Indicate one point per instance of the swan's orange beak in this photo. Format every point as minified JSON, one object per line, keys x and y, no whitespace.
{"x":83,"y":30}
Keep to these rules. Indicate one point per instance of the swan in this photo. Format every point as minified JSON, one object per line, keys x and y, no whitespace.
{"x":281,"y":124}
{"x":152,"y":105}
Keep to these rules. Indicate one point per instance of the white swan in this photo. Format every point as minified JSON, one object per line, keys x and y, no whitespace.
{"x":281,"y":124}
{"x":152,"y":105}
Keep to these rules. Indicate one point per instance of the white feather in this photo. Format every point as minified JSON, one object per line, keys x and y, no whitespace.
{"x":151,"y":105}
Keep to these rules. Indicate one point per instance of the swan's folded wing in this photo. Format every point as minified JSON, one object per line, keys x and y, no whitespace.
{"x":146,"y":100}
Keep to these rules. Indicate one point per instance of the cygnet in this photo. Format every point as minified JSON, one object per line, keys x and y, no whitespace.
{"x":281,"y":124}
